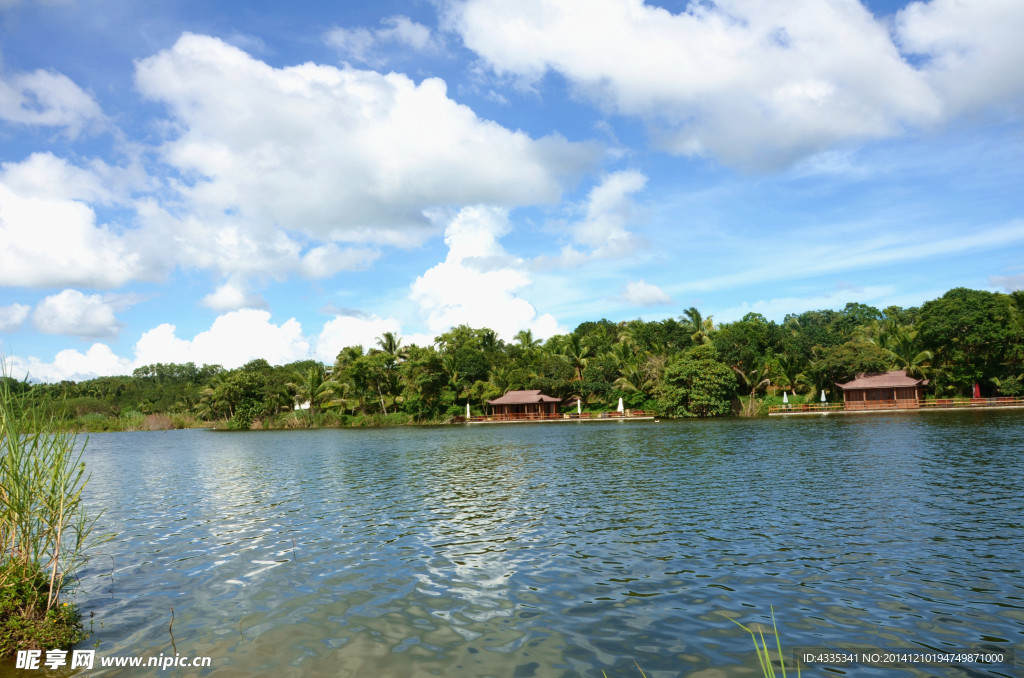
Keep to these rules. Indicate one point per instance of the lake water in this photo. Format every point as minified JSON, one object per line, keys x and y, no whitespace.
{"x":560,"y":549}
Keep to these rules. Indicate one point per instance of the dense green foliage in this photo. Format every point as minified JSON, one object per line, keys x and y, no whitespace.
{"x":683,"y":366}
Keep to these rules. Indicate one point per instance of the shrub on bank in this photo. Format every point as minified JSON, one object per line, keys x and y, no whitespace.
{"x":44,"y":528}
{"x":25,"y":621}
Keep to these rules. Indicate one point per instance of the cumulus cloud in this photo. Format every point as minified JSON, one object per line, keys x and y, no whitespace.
{"x":232,"y":296}
{"x":50,"y":232}
{"x":234,"y":339}
{"x":75,"y":314}
{"x":72,"y":364}
{"x":361,"y":44}
{"x":479,"y":283}
{"x":602,"y":232}
{"x":49,"y":99}
{"x":354,"y":329}
{"x":609,"y":210}
{"x":640,"y":293}
{"x":973,"y":49}
{"x":11,"y":317}
{"x":755,"y":83}
{"x":336,"y":155}
{"x":44,"y":175}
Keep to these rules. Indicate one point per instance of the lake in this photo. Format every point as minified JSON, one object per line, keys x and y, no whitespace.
{"x":560,"y":549}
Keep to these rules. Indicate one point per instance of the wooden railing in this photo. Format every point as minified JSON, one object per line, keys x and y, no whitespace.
{"x":544,"y":416}
{"x":897,"y":404}
{"x":901,"y":404}
{"x":972,"y":402}
{"x":805,"y":407}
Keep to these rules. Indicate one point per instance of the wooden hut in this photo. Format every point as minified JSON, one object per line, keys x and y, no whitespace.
{"x":524,"y":405}
{"x":883,"y":390}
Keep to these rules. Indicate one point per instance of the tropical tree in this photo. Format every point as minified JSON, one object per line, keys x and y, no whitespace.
{"x":312,"y":386}
{"x":754,"y":380}
{"x":906,"y":351}
{"x":697,"y":384}
{"x":576,"y":351}
{"x":700,"y":328}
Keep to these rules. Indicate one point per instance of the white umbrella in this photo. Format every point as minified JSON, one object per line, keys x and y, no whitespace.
{"x":579,"y":406}
{"x":785,"y":398}
{"x":620,"y":404}
{"x":822,"y":395}
{"x":467,"y":410}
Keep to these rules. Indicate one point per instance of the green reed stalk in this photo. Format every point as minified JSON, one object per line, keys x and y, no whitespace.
{"x":43,"y":521}
{"x":763,"y":656}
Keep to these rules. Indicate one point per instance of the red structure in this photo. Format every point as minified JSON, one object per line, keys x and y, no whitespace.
{"x":883,"y":390}
{"x":524,"y":405}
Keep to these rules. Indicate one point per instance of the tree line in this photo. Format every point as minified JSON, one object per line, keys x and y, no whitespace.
{"x":680,"y":366}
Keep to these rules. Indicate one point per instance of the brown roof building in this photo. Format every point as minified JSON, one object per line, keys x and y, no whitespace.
{"x":883,"y":390}
{"x":524,"y":405}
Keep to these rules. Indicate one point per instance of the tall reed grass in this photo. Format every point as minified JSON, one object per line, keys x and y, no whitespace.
{"x":44,"y":526}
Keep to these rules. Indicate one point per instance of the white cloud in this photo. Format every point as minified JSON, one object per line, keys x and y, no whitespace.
{"x":602,"y":232}
{"x":478,"y":283}
{"x":51,"y":237}
{"x":640,"y":293}
{"x":232,"y":296}
{"x":71,"y":364}
{"x":11,"y":317}
{"x":755,"y":83}
{"x":609,"y":210}
{"x":974,"y":49}
{"x":324,"y":261}
{"x":361,"y":43}
{"x":353,"y":330}
{"x":48,"y":99}
{"x":73,"y":313}
{"x":336,"y":155}
{"x":234,"y":339}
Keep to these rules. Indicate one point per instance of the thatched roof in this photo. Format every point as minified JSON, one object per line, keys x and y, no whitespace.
{"x":893,"y":379}
{"x":523,"y":398}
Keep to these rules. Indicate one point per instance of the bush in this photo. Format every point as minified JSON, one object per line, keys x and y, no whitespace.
{"x":132,"y":421}
{"x":698,"y":385}
{"x":25,"y":622}
{"x":44,"y":528}
{"x":98,"y":422}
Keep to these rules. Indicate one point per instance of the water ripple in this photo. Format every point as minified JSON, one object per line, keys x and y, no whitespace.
{"x":558,"y":550}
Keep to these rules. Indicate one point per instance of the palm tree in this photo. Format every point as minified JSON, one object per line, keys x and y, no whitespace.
{"x":526,"y":339}
{"x":312,"y":387}
{"x":753,"y":379}
{"x":906,"y":352}
{"x":622,"y":354}
{"x":700,"y":328}
{"x":488,"y":340}
{"x":635,"y":379}
{"x":576,"y":351}
{"x":391,"y":345}
{"x":788,"y":368}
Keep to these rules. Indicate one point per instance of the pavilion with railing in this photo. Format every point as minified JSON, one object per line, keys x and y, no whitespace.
{"x":524,"y":405}
{"x":892,"y":390}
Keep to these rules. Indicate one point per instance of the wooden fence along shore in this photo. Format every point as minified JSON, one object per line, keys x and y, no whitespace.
{"x":896,"y":405}
{"x":525,"y":417}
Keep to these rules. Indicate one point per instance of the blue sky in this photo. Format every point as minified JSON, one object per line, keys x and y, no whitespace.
{"x":221,"y":181}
